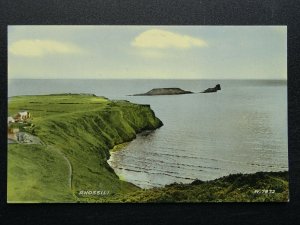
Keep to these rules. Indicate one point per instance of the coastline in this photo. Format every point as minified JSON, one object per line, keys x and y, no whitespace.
{"x":86,"y":137}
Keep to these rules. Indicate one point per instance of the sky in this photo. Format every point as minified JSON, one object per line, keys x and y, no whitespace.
{"x":147,"y":52}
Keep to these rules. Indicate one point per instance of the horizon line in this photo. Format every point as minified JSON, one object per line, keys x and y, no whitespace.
{"x":147,"y":79}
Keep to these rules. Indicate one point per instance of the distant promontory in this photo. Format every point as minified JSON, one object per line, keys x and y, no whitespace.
{"x":164,"y":91}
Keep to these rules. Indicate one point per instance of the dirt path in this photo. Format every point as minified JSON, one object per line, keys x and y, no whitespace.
{"x":26,"y":138}
{"x":67,"y":161}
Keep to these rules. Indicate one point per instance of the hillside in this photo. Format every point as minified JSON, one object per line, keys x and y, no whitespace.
{"x":76,"y":131}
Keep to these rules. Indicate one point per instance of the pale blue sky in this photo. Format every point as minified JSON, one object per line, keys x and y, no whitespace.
{"x":143,"y":52}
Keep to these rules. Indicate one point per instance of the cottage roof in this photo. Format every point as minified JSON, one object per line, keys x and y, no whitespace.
{"x":23,"y":113}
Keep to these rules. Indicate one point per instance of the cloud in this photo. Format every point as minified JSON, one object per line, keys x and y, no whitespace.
{"x":162,"y":39}
{"x":38,"y":48}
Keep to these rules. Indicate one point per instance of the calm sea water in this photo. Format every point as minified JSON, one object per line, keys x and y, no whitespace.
{"x":241,"y":129}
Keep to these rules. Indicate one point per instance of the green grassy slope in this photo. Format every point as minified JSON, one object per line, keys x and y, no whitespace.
{"x":258,"y":187}
{"x":82,"y":129}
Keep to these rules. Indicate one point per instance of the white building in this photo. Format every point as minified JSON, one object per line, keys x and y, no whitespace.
{"x":22,"y":116}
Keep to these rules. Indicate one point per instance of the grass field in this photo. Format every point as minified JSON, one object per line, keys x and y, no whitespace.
{"x":36,"y":174}
{"x":77,"y":132}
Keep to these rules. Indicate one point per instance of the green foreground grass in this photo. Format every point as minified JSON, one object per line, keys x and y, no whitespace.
{"x":78,"y":131}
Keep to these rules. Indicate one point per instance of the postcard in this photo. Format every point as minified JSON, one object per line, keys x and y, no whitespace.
{"x":147,"y":114}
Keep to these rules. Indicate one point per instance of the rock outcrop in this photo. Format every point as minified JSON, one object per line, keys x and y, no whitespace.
{"x":214,"y":89}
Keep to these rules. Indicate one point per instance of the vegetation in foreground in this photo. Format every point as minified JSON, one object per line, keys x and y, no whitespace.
{"x":77,"y":132}
{"x":258,"y":187}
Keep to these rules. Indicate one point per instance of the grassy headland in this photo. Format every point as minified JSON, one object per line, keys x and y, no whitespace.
{"x":77,"y":132}
{"x":77,"y":128}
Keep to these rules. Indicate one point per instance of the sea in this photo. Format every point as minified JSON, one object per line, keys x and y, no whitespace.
{"x":240,"y":129}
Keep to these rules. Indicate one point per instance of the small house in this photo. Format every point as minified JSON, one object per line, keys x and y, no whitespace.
{"x":21,"y":116}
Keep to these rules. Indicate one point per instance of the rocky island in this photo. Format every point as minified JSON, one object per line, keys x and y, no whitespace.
{"x":176,"y":91}
{"x":164,"y":91}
